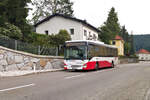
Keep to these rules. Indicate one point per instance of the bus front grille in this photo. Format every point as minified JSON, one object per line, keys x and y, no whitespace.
{"x":76,"y":66}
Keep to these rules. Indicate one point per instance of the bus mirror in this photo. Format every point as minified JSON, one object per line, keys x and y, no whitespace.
{"x":81,"y":55}
{"x":89,"y":58}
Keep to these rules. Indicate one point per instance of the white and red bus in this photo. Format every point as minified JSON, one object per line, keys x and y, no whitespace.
{"x":89,"y":55}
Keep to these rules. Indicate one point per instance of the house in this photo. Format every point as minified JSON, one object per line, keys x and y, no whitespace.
{"x":78,"y":29}
{"x":143,"y":54}
{"x":119,"y":43}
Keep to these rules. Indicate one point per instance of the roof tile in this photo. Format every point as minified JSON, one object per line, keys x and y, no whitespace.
{"x":143,"y":51}
{"x":118,"y":37}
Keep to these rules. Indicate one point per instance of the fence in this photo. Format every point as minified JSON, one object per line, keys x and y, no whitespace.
{"x":26,"y":47}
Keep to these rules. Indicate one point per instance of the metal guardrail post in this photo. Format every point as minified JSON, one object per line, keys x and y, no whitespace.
{"x":39,"y":51}
{"x":56,"y":51}
{"x":15,"y":44}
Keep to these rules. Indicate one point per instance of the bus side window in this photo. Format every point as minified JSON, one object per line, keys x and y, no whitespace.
{"x":90,"y":51}
{"x":114,"y":52}
{"x":103,"y":51}
{"x":100,"y":54}
{"x":96,"y":51}
{"x":111,"y":52}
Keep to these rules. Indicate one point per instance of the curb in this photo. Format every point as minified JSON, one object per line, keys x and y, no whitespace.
{"x":24,"y":73}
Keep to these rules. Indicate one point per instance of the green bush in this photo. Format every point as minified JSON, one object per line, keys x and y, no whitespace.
{"x":39,"y":39}
{"x":60,"y":38}
{"x":11,"y":31}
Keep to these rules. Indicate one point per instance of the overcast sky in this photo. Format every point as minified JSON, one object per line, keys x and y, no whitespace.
{"x":134,"y":14}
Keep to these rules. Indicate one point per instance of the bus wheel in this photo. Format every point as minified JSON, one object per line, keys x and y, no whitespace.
{"x":96,"y":66}
{"x":112,"y":65}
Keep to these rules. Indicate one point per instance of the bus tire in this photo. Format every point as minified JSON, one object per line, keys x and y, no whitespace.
{"x":112,"y":65}
{"x":96,"y":66}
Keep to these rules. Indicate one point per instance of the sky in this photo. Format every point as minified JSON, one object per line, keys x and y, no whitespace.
{"x":134,"y":14}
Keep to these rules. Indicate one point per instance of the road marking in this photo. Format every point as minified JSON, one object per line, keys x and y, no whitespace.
{"x":18,"y":87}
{"x":74,"y":76}
{"x":147,"y":94}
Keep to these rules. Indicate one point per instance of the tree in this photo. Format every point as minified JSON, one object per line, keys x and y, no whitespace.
{"x":127,"y":45}
{"x":127,"y":48}
{"x":15,"y":13}
{"x":46,"y":8}
{"x":104,"y":35}
{"x":11,"y":31}
{"x":132,"y":51}
{"x":111,"y":27}
{"x":124,"y":34}
{"x":3,"y":11}
{"x":60,"y":38}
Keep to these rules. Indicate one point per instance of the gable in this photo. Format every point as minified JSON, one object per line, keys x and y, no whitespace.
{"x":68,"y":18}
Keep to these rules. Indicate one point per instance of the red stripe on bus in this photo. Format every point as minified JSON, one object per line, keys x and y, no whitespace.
{"x":91,"y":65}
{"x":103,"y":64}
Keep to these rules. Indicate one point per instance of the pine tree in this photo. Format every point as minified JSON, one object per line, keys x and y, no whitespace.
{"x":111,"y":27}
{"x":124,"y":34}
{"x":104,"y":35}
{"x":46,"y":8}
{"x":127,"y":45}
{"x":132,"y":51}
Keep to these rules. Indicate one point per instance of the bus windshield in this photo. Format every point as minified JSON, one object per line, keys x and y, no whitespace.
{"x":75,"y":52}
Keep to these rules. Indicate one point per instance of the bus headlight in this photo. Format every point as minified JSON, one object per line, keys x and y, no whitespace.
{"x":85,"y":65}
{"x":65,"y":65}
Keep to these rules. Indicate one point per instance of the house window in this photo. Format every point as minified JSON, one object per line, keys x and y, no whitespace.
{"x":46,"y":32}
{"x":94,"y":36}
{"x":72,"y":31}
{"x":113,"y":42}
{"x":90,"y":34}
{"x":142,"y":58}
{"x":85,"y":33}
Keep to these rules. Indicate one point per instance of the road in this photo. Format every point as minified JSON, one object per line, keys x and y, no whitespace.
{"x":124,"y":82}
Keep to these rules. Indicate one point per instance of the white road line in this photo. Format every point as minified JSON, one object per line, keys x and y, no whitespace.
{"x":18,"y":87}
{"x":147,"y":94}
{"x":74,"y":76}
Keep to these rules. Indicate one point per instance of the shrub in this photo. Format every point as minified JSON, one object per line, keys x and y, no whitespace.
{"x":60,"y":38}
{"x":11,"y":31}
{"x":38,"y":39}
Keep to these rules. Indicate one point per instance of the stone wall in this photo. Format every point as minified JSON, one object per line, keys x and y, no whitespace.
{"x":128,"y":60}
{"x":11,"y":60}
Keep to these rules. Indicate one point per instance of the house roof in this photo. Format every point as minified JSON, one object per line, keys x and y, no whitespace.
{"x":143,"y":51}
{"x":118,"y":37}
{"x":67,"y":17}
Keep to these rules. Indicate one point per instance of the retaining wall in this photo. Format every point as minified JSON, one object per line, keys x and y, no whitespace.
{"x":128,"y":60}
{"x":11,"y":60}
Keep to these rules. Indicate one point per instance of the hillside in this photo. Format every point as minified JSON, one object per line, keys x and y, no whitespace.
{"x":142,"y":41}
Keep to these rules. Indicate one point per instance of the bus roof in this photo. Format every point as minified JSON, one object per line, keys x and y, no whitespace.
{"x":93,"y":42}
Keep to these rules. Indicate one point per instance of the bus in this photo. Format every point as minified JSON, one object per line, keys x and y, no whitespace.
{"x":89,"y":55}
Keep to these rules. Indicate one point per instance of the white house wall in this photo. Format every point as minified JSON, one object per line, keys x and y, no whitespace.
{"x":143,"y":56}
{"x":56,"y":23}
{"x":89,"y":31}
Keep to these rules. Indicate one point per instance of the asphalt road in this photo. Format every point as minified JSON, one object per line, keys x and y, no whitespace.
{"x":124,"y":82}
